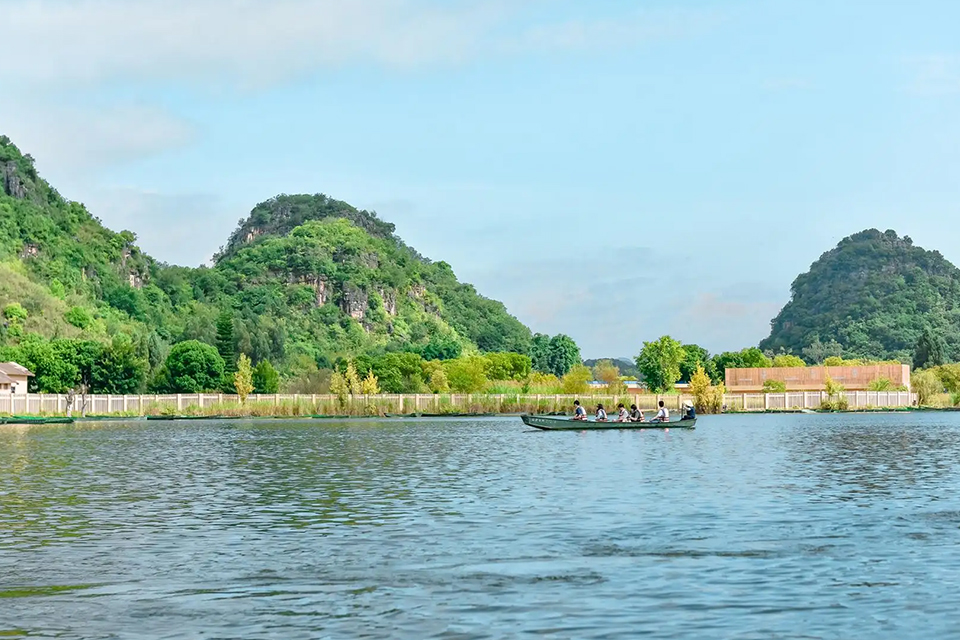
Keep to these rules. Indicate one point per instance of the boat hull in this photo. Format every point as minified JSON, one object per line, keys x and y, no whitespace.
{"x":549,"y":423}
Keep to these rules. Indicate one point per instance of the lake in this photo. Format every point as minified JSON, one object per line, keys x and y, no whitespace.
{"x":751,"y":526}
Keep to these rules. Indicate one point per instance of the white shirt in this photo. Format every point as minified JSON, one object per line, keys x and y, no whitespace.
{"x":663,"y":414}
{"x":601,"y":414}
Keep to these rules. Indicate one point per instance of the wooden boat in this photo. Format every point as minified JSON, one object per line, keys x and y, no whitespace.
{"x":549,"y":423}
{"x":31,"y":420}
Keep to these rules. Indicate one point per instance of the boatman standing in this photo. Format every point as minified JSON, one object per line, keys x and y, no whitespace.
{"x":580,"y":413}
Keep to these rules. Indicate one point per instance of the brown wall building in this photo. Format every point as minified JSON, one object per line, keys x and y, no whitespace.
{"x":813,"y":378}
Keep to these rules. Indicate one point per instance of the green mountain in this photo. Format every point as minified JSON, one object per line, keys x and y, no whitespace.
{"x":874,"y":294}
{"x":305,"y":279}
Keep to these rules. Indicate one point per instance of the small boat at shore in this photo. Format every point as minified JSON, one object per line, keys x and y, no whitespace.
{"x":31,"y":420}
{"x":553,"y":423}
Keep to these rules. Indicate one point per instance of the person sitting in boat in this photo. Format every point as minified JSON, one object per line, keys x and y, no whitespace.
{"x":635,"y":414}
{"x":622,"y":415}
{"x":601,"y":414}
{"x":689,"y":413}
{"x":663,"y":415}
{"x":579,"y":413}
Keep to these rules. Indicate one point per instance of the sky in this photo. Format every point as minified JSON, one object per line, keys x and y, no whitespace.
{"x":613,"y":170}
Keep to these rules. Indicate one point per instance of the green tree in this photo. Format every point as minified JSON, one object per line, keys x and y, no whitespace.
{"x":562,"y":355}
{"x":774,"y":386}
{"x":754,"y":358}
{"x":694,"y":356}
{"x":119,"y":369}
{"x":439,"y":382}
{"x":540,"y":353}
{"x":226,"y":343}
{"x":785,"y":360}
{"x":265,"y":378}
{"x":193,"y":367}
{"x":818,"y":351}
{"x":929,"y":351}
{"x":659,"y":363}
{"x":243,"y":378}
{"x":466,"y":375}
{"x":78,"y":317}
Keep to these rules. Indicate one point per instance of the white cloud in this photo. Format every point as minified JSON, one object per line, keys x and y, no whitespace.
{"x":85,"y":138}
{"x":254,"y":42}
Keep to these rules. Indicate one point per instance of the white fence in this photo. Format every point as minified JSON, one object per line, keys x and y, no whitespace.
{"x":102,"y":405}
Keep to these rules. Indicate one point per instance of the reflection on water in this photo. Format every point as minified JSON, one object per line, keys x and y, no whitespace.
{"x":749,"y":527}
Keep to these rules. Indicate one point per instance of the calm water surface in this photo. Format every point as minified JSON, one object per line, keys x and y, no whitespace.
{"x":749,"y":527}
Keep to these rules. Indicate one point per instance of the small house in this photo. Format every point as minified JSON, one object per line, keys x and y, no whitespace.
{"x":14,"y":378}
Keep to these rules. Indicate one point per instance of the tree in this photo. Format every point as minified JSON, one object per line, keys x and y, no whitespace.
{"x":606,"y":372}
{"x":339,"y":388}
{"x":226,"y":343}
{"x":119,"y":369}
{"x":466,"y":375}
{"x":562,"y":354}
{"x":818,"y":351}
{"x":785,"y":360}
{"x":243,"y":378}
{"x":694,"y":356}
{"x":575,"y":381}
{"x":754,"y":358}
{"x":774,"y":386}
{"x":369,"y":386}
{"x":265,"y":378}
{"x":193,"y":367}
{"x":352,"y":379}
{"x":540,"y":353}
{"x":926,"y":385}
{"x":659,"y":363}
{"x":441,"y":347}
{"x":706,"y":398}
{"x":929,"y":351}
{"x":880,"y":384}
{"x":439,"y":382}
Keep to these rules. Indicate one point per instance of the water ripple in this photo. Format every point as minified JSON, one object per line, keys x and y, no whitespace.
{"x":749,"y":527}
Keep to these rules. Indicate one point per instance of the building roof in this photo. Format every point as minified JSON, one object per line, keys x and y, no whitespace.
{"x":13,"y":369}
{"x":4,"y":379}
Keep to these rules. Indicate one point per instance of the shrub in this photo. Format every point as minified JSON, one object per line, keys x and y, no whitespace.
{"x":785,"y":360}
{"x":880,"y":384}
{"x":774,"y":386}
{"x":926,"y":385}
{"x":78,"y":317}
{"x":575,"y":381}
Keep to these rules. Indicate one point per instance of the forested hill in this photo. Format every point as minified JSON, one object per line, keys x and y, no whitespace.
{"x":303,"y":281}
{"x":874,"y":293}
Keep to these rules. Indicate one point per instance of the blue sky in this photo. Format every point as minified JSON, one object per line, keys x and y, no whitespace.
{"x":612,"y":170}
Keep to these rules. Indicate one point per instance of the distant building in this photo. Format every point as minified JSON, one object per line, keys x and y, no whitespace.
{"x":13,"y":379}
{"x":813,"y":378}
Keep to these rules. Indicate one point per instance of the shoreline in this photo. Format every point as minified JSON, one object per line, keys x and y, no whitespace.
{"x":64,"y":420}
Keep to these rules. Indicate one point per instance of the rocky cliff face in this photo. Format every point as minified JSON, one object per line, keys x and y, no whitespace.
{"x":13,"y":186}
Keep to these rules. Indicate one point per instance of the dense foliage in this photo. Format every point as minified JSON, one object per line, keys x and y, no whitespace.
{"x":305,"y":281}
{"x":874,"y":295}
